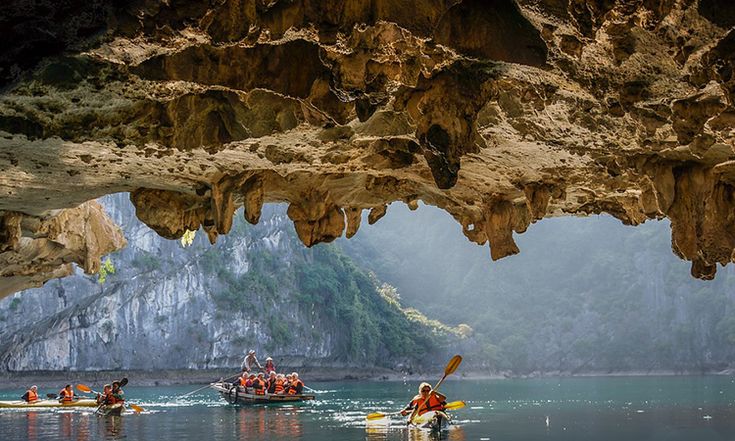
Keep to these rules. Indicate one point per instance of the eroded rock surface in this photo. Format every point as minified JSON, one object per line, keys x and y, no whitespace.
{"x":500,"y":112}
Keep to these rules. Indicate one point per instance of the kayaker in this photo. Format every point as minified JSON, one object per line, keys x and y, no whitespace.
{"x":436,"y":401}
{"x":31,"y":395}
{"x":296,"y":386}
{"x":66,"y":395}
{"x":269,"y":366}
{"x":117,"y":393}
{"x":105,"y":396}
{"x":250,"y":361}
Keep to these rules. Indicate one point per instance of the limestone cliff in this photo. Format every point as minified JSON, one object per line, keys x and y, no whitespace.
{"x":500,"y":112}
{"x":170,"y":307}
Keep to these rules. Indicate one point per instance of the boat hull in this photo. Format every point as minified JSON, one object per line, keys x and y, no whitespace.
{"x":112,"y":409}
{"x":45,"y":404}
{"x":237,"y":395}
{"x":435,"y":421}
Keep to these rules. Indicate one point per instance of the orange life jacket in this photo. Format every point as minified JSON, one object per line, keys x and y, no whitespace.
{"x":292,"y":387}
{"x":434,"y":403}
{"x":66,"y":396}
{"x":109,"y":398}
{"x":259,"y":386}
{"x":279,"y":386}
{"x":32,"y":396}
{"x":243,"y":380}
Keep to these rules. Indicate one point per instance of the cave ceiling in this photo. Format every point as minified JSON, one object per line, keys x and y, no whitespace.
{"x":499,"y":112}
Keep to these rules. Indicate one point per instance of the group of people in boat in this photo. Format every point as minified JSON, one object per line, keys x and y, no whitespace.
{"x":111,"y":394}
{"x":268,"y":381}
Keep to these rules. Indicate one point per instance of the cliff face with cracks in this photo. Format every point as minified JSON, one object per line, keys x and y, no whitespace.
{"x":499,"y":112}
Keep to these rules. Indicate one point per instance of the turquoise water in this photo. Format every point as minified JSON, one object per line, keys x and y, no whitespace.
{"x":639,"y":408}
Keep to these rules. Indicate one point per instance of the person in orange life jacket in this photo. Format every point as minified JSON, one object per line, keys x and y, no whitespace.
{"x":269,"y":366}
{"x":287,"y":382}
{"x":260,"y":385}
{"x":117,"y":393}
{"x":31,"y":395}
{"x":436,"y":401}
{"x":105,"y":396}
{"x":296,"y":387}
{"x":275,"y":384}
{"x":249,"y":381}
{"x":66,"y":395}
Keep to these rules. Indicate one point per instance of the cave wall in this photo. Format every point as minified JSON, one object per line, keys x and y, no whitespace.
{"x":499,"y":112}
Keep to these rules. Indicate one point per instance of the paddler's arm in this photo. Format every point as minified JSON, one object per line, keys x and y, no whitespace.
{"x":406,"y":410}
{"x":441,"y":396}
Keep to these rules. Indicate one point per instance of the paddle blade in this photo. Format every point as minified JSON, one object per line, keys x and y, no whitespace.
{"x":137,"y":408}
{"x":84,"y":388}
{"x":453,"y":364}
{"x":52,"y":396}
{"x":123,"y":382}
{"x":454,"y":405}
{"x":375,"y":416}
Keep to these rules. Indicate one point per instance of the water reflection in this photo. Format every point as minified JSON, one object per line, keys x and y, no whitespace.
{"x":384,"y":431}
{"x":266,"y":422}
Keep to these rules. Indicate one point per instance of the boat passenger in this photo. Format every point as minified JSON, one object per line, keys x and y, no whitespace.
{"x":275,"y":384}
{"x":31,"y":395}
{"x":249,"y":381}
{"x":436,"y":401}
{"x":269,"y":366}
{"x":259,"y":384}
{"x":296,"y":387}
{"x":250,"y":361}
{"x":287,"y":383}
{"x":66,"y":395}
{"x":106,"y":396}
{"x":117,"y":393}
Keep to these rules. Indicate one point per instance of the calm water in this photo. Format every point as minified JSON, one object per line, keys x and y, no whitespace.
{"x":644,"y":408}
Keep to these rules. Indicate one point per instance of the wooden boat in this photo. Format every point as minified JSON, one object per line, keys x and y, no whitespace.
{"x":234,"y":394}
{"x":435,"y":421}
{"x":20,"y":404}
{"x":111,"y":409}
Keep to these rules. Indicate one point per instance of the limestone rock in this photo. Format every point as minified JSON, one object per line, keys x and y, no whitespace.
{"x":500,"y":112}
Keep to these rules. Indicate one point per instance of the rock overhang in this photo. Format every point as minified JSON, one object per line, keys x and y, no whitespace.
{"x":499,"y":112}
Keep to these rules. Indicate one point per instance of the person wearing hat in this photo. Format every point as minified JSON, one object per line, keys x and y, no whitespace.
{"x":31,"y":395}
{"x":269,"y":366}
{"x":66,"y":395}
{"x":426,"y":400}
{"x":250,"y":361}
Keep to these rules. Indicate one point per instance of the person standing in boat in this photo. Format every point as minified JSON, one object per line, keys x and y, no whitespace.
{"x":269,"y":366}
{"x":66,"y":395}
{"x":31,"y":395}
{"x":250,"y":361}
{"x":436,"y":401}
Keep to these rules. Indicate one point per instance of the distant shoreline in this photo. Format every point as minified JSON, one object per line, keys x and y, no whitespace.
{"x":12,"y":380}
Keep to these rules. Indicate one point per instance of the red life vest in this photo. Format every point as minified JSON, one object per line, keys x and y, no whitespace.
{"x":259,"y":386}
{"x":292,"y":388}
{"x":66,"y":396}
{"x":269,"y":367}
{"x":32,"y":396}
{"x":434,"y":403}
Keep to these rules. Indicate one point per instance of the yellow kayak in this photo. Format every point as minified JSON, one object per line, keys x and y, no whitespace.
{"x":19,"y":404}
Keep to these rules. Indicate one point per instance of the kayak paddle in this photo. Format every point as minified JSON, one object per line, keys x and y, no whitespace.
{"x":52,"y":396}
{"x":454,"y":405}
{"x":451,"y":367}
